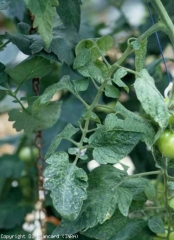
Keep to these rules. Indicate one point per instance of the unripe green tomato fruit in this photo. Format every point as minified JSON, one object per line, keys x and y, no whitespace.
{"x":166,"y":144}
{"x":171,"y":203}
{"x":26,"y":154}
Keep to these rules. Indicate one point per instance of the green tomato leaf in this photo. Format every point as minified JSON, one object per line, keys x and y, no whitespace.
{"x":99,"y":207}
{"x":82,"y":58}
{"x":120,"y":73}
{"x":112,"y":145}
{"x":65,"y":83}
{"x":90,"y":46}
{"x":140,"y":55}
{"x":159,"y":158}
{"x":111,"y":91}
{"x":131,"y":230}
{"x":44,"y":13}
{"x":151,"y":99}
{"x":124,"y":200}
{"x":109,"y":228}
{"x":29,"y":120}
{"x":66,"y":133}
{"x":80,"y":85}
{"x":67,"y":184}
{"x":136,"y":122}
{"x":70,"y":13}
{"x":104,"y":44}
{"x":30,"y":68}
{"x":150,"y":191}
{"x":156,"y":224}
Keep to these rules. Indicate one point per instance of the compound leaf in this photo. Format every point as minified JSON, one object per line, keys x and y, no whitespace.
{"x":67,"y":184}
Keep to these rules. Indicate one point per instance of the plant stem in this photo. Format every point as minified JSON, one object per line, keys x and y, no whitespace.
{"x":162,"y":13}
{"x":156,"y":27}
{"x":168,"y":212}
{"x":4,"y":44}
{"x":145,"y":174}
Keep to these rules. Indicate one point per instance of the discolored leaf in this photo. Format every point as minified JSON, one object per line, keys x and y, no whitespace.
{"x":120,"y":73}
{"x":101,"y":202}
{"x":112,"y":145}
{"x":66,"y":133}
{"x":151,"y":99}
{"x":137,"y":123}
{"x":67,"y":184}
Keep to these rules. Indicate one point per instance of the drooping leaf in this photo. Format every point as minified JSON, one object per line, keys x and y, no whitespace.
{"x":44,"y":12}
{"x":34,"y":67}
{"x":151,"y":99}
{"x":156,"y":224}
{"x":138,"y":123}
{"x":67,"y":184}
{"x":70,"y":13}
{"x":61,"y":48}
{"x":101,"y":202}
{"x":66,"y":133}
{"x":29,"y":120}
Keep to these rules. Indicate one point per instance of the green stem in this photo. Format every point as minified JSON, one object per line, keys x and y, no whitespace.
{"x":146,"y":34}
{"x":4,"y":44}
{"x":168,"y":212}
{"x":162,"y":13}
{"x":145,"y":174}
